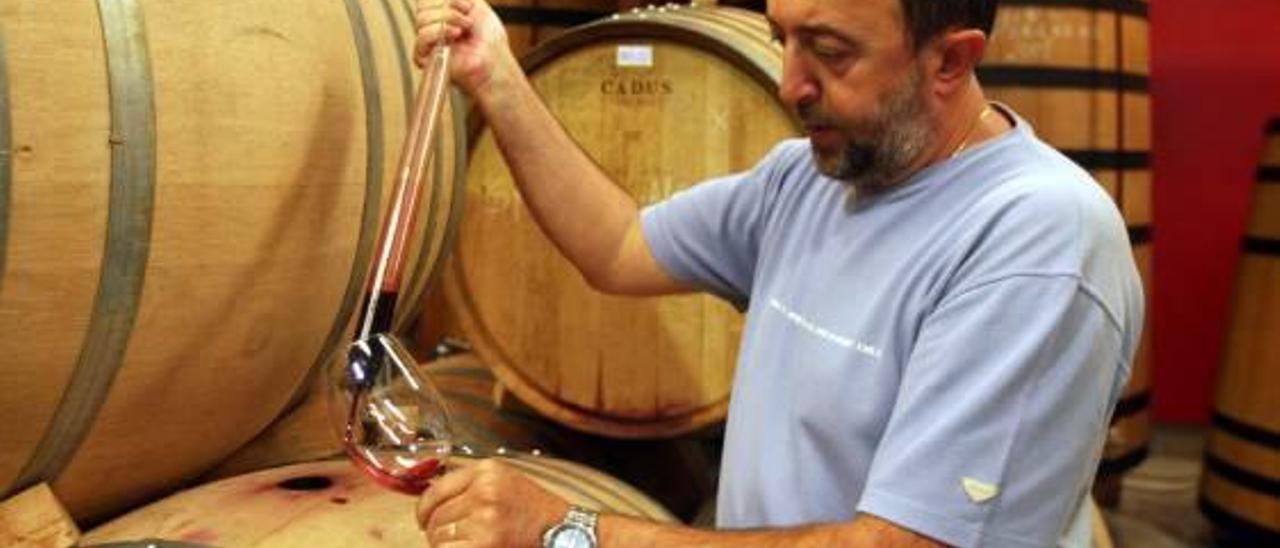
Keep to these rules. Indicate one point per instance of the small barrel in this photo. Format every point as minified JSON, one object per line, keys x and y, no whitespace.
{"x":1240,"y":489}
{"x":331,"y":503}
{"x":637,"y":92}
{"x":189,"y":199}
{"x":1079,"y":72}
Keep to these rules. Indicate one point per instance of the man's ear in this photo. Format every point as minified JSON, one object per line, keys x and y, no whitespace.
{"x":954,"y":56}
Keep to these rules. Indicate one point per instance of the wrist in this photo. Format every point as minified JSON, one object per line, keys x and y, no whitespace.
{"x":502,"y":87}
{"x":578,"y":529}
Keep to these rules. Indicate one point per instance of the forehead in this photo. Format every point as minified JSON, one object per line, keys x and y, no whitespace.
{"x":866,"y":18}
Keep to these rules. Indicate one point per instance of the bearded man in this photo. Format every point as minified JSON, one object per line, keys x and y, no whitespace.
{"x":941,"y":309}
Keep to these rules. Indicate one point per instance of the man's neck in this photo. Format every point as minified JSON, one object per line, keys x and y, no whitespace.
{"x":970,"y":122}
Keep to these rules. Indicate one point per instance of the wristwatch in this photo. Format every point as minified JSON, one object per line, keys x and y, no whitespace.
{"x":577,"y":530}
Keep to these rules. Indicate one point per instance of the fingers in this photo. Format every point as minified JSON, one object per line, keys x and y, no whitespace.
{"x":450,"y":509}
{"x":461,"y":5}
{"x":440,"y":21}
{"x":457,"y":15}
{"x":488,"y":503}
{"x":446,"y":522}
{"x":444,"y":488}
{"x":446,"y":534}
{"x":431,"y":36}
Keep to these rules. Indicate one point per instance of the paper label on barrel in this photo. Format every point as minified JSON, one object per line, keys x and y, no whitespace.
{"x":633,"y":56}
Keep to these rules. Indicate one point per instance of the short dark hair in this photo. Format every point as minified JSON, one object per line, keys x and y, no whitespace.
{"x":926,"y":19}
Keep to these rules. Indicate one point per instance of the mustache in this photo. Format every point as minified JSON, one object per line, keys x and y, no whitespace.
{"x":813,"y":116}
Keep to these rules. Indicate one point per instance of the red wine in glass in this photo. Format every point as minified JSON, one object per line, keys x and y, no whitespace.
{"x":407,"y":474}
{"x":393,"y":422}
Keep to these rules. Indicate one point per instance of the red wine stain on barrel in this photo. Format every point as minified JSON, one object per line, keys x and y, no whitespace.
{"x":294,"y":488}
{"x":306,"y":483}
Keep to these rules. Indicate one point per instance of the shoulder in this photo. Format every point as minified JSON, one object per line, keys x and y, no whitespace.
{"x":783,"y":179}
{"x":1041,"y":214}
{"x":1030,"y":210}
{"x":790,"y":152}
{"x":1037,"y":194}
{"x":787,"y":160}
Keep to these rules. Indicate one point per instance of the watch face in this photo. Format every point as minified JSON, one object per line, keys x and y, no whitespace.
{"x":572,"y":536}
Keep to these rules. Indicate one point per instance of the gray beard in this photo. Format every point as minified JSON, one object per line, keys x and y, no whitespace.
{"x":897,"y":136}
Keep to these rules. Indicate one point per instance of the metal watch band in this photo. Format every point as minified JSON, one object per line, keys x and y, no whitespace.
{"x":582,"y":516}
{"x":577,"y":518}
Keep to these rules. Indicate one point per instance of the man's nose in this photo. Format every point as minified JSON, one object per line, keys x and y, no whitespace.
{"x":798,"y":87}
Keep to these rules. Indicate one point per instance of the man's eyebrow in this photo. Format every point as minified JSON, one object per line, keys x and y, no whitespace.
{"x":823,"y":29}
{"x":816,"y":29}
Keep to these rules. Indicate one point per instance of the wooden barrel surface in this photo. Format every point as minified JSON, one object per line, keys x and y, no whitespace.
{"x":532,"y":22}
{"x":189,"y":197}
{"x":331,"y":503}
{"x":1078,"y":70}
{"x":637,"y":92}
{"x":1240,"y":488}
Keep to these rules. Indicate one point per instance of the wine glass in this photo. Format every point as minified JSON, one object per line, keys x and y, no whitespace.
{"x":392,"y":420}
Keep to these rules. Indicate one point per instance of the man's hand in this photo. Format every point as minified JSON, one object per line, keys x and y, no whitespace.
{"x":480,"y":51}
{"x":487,"y":504}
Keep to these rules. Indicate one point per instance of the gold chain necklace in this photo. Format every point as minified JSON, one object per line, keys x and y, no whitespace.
{"x":986,"y":109}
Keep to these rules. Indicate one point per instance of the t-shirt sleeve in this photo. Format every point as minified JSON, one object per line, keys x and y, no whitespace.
{"x":709,"y":235}
{"x":1000,"y":415}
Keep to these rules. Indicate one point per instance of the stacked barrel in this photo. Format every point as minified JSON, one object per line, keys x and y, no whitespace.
{"x":1240,"y":489}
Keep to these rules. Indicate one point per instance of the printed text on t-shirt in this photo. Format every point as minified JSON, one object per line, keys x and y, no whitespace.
{"x":822,"y":332}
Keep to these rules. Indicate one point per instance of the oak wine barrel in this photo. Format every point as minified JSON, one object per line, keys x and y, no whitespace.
{"x":332,"y":503}
{"x":638,"y":92}
{"x":1079,"y":72}
{"x":189,"y":198}
{"x":1240,"y":488}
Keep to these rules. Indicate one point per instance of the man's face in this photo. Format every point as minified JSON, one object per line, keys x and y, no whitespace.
{"x":854,"y":80}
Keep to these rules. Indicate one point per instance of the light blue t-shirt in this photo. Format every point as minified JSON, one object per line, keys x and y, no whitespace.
{"x":945,"y":355}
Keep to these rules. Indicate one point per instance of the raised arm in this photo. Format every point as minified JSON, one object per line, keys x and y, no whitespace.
{"x":591,"y":220}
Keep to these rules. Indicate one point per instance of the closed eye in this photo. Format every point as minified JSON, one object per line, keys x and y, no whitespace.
{"x":829,"y":48}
